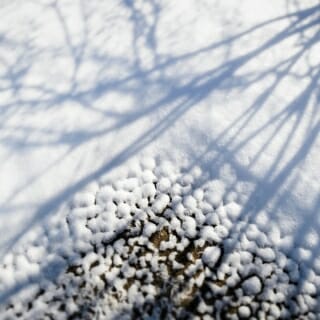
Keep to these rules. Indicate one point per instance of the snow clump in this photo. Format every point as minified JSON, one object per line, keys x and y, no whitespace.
{"x":156,"y":243}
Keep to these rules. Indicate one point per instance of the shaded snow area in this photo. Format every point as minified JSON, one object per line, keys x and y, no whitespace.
{"x":157,"y":242}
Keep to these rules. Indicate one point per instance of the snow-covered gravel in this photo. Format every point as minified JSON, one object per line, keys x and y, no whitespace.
{"x":157,"y":242}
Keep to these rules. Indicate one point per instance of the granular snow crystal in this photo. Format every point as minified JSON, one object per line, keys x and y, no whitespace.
{"x":156,"y":244}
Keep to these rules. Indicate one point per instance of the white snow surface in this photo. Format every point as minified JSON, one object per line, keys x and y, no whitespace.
{"x":226,"y":91}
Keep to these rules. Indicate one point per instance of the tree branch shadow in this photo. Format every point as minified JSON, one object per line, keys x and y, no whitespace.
{"x":177,"y":98}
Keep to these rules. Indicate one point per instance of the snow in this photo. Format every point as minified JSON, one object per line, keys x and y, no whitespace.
{"x":190,"y":202}
{"x":208,"y":233}
{"x":161,"y":203}
{"x":252,"y":286}
{"x":211,"y":256}
{"x":123,"y":210}
{"x":164,"y":184}
{"x":119,"y":249}
{"x":244,"y":312}
{"x":149,"y":229}
{"x":115,"y":125}
{"x":233,"y":211}
{"x":190,"y":225}
{"x":214,"y":192}
{"x":266,"y":254}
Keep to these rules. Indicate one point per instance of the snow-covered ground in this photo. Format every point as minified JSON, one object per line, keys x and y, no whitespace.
{"x":230,"y":89}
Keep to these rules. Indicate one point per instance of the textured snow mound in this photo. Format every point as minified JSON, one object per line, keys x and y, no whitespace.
{"x":161,"y":243}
